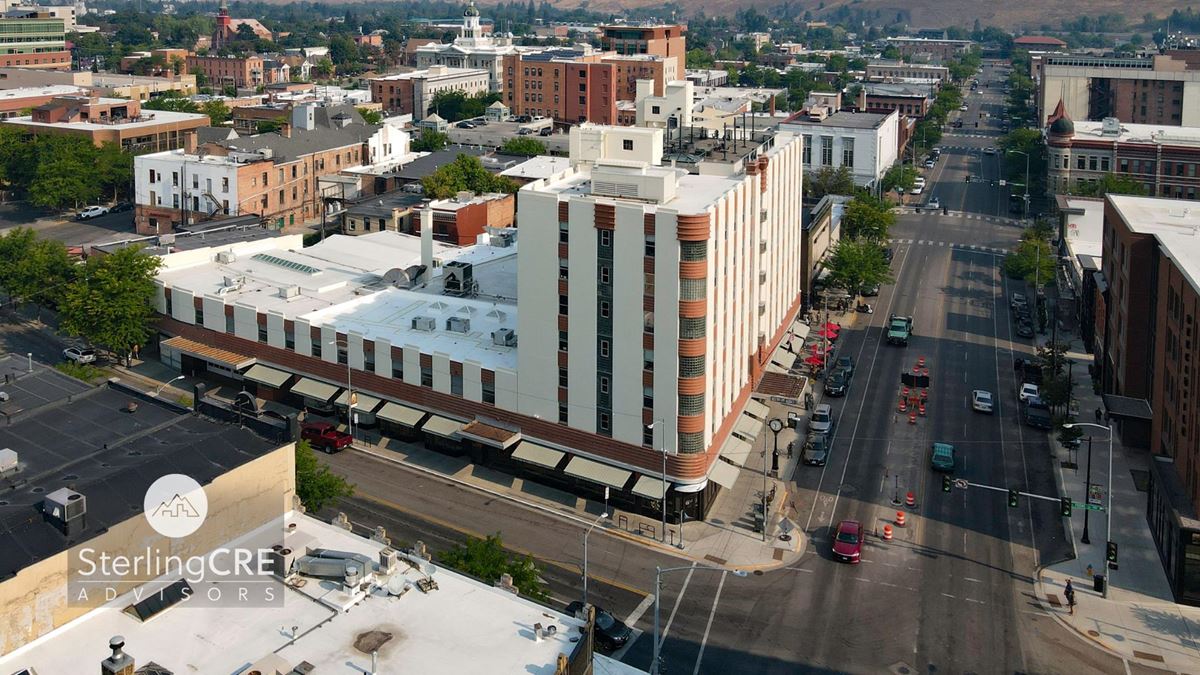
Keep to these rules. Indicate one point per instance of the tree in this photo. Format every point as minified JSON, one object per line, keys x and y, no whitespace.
{"x":370,"y":116}
{"x":323,"y":69}
{"x":110,"y":304}
{"x":465,"y":173}
{"x":39,"y":272}
{"x":867,"y":218}
{"x":830,"y":181}
{"x":525,"y":147}
{"x":343,"y":50}
{"x":114,"y":169}
{"x":900,"y":175}
{"x":1033,"y":261}
{"x":65,"y":174}
{"x":269,"y":126}
{"x":316,"y":485}
{"x":486,"y":559}
{"x":430,"y":141}
{"x":858,"y":263}
{"x":455,"y":105}
{"x":171,"y":101}
{"x":218,"y":113}
{"x":1111,"y":184}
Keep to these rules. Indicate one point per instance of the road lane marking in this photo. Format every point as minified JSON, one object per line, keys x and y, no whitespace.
{"x":708,"y":626}
{"x":678,"y":600}
{"x":863,"y":579}
{"x":974,"y":581}
{"x":948,"y":595}
{"x":638,"y":611}
{"x":978,"y":602}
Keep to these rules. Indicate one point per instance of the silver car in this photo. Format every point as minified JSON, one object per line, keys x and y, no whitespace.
{"x":822,"y":421}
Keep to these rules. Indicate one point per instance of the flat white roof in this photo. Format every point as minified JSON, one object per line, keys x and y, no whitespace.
{"x":1174,"y":222}
{"x":694,"y":194}
{"x":47,"y":90}
{"x":463,"y":626}
{"x":340,"y":282}
{"x":433,"y":73}
{"x":1085,"y":230}
{"x":1159,"y":134}
{"x":542,"y":166}
{"x":150,"y":118}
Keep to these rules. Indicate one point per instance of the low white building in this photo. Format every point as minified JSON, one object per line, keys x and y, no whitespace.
{"x":866,"y":143}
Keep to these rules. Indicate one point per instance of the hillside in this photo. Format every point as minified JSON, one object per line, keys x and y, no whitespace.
{"x":1014,"y":14}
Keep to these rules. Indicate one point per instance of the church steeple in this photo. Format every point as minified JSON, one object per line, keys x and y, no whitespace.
{"x":471,"y":29}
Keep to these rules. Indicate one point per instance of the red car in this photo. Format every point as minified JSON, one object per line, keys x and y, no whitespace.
{"x":847,"y":544}
{"x":325,"y":436}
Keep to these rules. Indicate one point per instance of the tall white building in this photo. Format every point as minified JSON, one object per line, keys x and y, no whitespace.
{"x":867,"y":143}
{"x":472,"y":50}
{"x":651,"y":295}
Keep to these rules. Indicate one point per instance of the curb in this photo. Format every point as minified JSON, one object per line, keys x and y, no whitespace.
{"x":564,"y":515}
{"x":1053,"y":613}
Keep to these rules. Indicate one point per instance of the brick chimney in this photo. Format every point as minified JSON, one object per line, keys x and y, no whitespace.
{"x":119,"y":663}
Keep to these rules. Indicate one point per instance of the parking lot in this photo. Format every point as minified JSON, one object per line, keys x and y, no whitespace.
{"x":493,"y":135}
{"x":63,"y":227}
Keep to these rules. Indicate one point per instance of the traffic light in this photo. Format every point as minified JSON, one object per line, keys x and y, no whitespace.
{"x":1111,"y":553}
{"x":947,"y":484}
{"x":1066,"y":507}
{"x":1013,"y":497}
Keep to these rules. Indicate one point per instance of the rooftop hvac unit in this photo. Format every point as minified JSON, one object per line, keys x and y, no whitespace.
{"x":503,"y":239}
{"x":459,"y":278}
{"x":282,"y":559}
{"x":505,"y":337}
{"x":289,"y":291}
{"x":458,"y":324}
{"x":226,"y":257}
{"x":66,"y":509}
{"x":424,"y":323}
{"x":166,"y":239}
{"x":231,"y":281}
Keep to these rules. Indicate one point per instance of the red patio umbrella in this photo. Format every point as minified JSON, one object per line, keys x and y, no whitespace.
{"x":828,"y":333}
{"x":814,"y":360}
{"x":832,"y":326}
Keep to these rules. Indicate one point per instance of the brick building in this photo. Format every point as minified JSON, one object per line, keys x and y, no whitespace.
{"x":934,"y":50}
{"x":34,"y":43}
{"x":113,"y":120}
{"x":562,"y":84}
{"x":237,"y":71}
{"x":1164,"y":159}
{"x":1163,"y":89}
{"x":657,"y":40}
{"x":412,"y":93}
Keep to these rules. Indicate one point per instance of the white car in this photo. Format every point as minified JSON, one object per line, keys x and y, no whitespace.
{"x":981,"y":401}
{"x":91,"y":212}
{"x":934,"y":203}
{"x":963,"y":107}
{"x":989,"y":151}
{"x":919,"y":181}
{"x":1029,"y":392}
{"x":821,"y":421}
{"x":80,"y":354}
{"x":917,"y":189}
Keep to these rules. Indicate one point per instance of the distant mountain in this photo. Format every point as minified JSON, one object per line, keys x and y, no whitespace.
{"x":1014,"y":14}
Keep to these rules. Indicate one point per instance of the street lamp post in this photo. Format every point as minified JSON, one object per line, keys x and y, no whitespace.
{"x":351,"y":397}
{"x":658,"y":572}
{"x":662,"y":448}
{"x":1087,"y":481}
{"x":1109,"y":498}
{"x":775,"y":425}
{"x":599,"y":518}
{"x":167,"y":383}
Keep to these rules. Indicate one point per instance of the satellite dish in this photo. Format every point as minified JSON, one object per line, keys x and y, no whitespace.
{"x":428,"y":569}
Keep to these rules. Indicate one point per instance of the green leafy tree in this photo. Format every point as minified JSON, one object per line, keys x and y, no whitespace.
{"x":41,"y":272}
{"x":370,"y":116}
{"x":323,"y":69}
{"x":525,"y":147}
{"x":316,"y":485}
{"x":454,"y":106}
{"x":218,"y":113}
{"x":171,"y":101}
{"x":857,"y":263}
{"x":699,"y":58}
{"x":1111,"y":184}
{"x":465,"y":173}
{"x":114,"y":169}
{"x":1033,"y":261}
{"x":430,"y":141}
{"x":900,"y":175}
{"x":269,"y":126}
{"x":486,"y":559}
{"x":65,"y":174}
{"x":830,"y":181}
{"x":110,"y":303}
{"x":867,"y":218}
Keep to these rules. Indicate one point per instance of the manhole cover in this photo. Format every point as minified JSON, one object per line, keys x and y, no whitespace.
{"x":38,"y":490}
{"x":70,"y":476}
{"x":901,"y":669}
{"x":1094,"y":633}
{"x":758,"y":573}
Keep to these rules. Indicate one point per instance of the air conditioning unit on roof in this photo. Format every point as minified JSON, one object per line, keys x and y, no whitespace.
{"x":425,"y":323}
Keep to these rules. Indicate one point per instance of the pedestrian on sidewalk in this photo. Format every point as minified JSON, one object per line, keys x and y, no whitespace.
{"x":1069,"y":592}
{"x":1099,"y":414}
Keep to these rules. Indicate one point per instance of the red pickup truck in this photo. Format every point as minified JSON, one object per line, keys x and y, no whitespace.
{"x":325,"y":436}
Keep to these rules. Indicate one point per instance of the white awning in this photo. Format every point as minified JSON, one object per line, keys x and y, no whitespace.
{"x":724,"y":474}
{"x":799,"y":329}
{"x":266,"y":375}
{"x":532,"y":453}
{"x":441,"y":426}
{"x":314,"y":389}
{"x":650,"y":487}
{"x":757,"y":409}
{"x":582,"y":467}
{"x":735,"y":450}
{"x":748,"y":427}
{"x":400,"y":414}
{"x":366,"y":402}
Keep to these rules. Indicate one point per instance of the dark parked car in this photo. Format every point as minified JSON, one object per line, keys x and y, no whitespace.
{"x":611,"y":633}
{"x":837,"y":383}
{"x":845,"y":363}
{"x":888,"y":254}
{"x":869,"y":291}
{"x":121,"y":206}
{"x":324,"y":436}
{"x":1025,"y":329}
{"x":816,"y":450}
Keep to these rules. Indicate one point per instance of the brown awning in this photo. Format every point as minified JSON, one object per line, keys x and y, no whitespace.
{"x":490,"y":433}
{"x":221,"y":357}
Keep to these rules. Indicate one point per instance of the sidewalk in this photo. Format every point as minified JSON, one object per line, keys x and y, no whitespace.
{"x":1139,"y":620}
